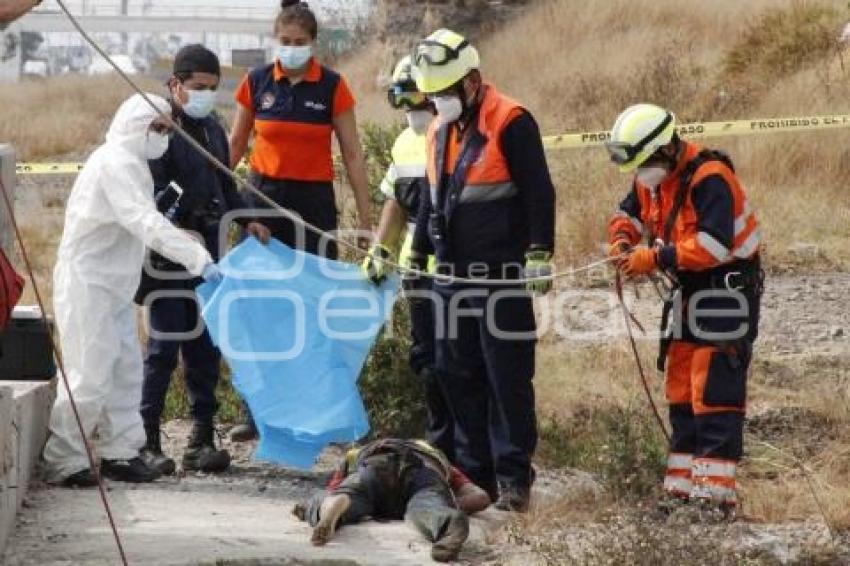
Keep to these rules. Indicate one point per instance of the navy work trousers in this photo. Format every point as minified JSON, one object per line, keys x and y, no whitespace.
{"x":200,"y":359}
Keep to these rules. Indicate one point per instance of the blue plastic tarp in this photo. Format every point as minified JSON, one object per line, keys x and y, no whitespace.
{"x":296,"y":329}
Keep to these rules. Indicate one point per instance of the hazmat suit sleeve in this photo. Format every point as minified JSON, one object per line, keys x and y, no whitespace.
{"x":126,"y":184}
{"x":129,"y":192}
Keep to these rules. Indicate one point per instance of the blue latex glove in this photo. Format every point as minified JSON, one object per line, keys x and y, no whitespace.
{"x":212,"y":274}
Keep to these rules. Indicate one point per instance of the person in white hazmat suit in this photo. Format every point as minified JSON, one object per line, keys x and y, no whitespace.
{"x":110,"y":218}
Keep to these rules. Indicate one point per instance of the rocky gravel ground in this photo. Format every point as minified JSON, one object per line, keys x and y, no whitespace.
{"x":804,"y":343}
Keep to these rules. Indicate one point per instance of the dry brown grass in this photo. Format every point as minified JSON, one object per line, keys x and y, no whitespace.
{"x":576,"y":64}
{"x":49,"y":118}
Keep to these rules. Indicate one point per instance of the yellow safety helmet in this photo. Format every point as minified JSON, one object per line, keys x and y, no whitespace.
{"x":638,"y":133}
{"x":443,"y":59}
{"x":403,"y":92}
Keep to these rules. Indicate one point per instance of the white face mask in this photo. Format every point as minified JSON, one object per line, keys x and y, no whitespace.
{"x":294,"y":57}
{"x":155,"y":145}
{"x":200,"y":104}
{"x":651,"y":176}
{"x":419,"y":120}
{"x":449,"y":108}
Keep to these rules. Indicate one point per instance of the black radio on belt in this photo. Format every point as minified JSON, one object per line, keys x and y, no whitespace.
{"x":437,"y":226}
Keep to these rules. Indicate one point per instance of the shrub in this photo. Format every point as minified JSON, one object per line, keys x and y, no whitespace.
{"x":394,"y":397}
{"x":785,"y":41}
{"x":622,"y":445}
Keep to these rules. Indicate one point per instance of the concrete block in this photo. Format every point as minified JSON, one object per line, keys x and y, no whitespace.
{"x":24,"y":415}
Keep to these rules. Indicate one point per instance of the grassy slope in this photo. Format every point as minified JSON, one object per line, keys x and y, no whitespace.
{"x":577,"y":64}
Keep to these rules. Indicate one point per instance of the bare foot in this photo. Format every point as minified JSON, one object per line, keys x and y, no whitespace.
{"x":332,"y":509}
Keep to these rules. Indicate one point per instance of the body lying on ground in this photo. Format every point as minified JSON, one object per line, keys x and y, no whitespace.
{"x":398,"y":479}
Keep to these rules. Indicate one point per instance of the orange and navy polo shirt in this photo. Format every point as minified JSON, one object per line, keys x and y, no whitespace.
{"x":293,"y":123}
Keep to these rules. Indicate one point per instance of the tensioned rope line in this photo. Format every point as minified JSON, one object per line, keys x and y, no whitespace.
{"x":64,"y":375}
{"x":629,"y":319}
{"x":442,"y":278}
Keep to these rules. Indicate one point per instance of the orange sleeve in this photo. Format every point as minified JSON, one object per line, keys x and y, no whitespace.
{"x":343,"y":99}
{"x":243,"y":94}
{"x":627,"y":220}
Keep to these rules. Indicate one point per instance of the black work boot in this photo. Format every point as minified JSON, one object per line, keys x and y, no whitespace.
{"x":514,"y":498}
{"x":152,"y":454}
{"x":201,"y":454}
{"x":83,"y":479}
{"x":133,"y":470}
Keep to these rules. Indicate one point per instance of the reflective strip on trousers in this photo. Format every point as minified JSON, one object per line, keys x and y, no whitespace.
{"x":714,"y":479}
{"x":705,"y":467}
{"x":680,"y":461}
{"x":677,"y":485}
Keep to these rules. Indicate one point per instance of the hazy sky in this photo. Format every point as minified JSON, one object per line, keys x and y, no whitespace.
{"x":249,"y":7}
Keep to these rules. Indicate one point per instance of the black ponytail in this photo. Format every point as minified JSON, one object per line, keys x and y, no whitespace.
{"x":299,"y":13}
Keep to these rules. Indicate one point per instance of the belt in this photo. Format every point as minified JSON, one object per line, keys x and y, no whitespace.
{"x":741,"y":275}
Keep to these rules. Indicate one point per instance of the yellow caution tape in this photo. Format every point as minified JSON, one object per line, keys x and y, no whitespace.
{"x":713,"y":130}
{"x":74,"y":168}
{"x":48,"y":168}
{"x":585,"y":139}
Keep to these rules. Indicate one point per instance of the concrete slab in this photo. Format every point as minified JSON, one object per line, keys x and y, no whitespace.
{"x":242,"y":516}
{"x":166,"y":527}
{"x":24,"y":414}
{"x":8,"y":474}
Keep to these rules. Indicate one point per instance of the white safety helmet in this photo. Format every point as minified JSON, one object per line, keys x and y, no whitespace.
{"x":441,"y":60}
{"x":403,"y":92}
{"x":638,"y":133}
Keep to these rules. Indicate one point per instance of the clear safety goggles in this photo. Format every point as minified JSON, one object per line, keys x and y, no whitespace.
{"x":622,"y":153}
{"x":405,"y":96}
{"x":436,"y":53}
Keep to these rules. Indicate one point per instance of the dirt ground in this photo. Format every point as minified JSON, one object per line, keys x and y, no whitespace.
{"x":243,"y":516}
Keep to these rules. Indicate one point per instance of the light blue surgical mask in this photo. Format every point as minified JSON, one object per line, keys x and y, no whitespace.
{"x":294,"y":57}
{"x":200,"y":104}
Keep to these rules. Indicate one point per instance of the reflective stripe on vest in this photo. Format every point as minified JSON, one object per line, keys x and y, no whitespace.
{"x":487,"y":178}
{"x":746,"y":237}
{"x":709,"y":251}
{"x":410,"y":155}
{"x":408,"y":168}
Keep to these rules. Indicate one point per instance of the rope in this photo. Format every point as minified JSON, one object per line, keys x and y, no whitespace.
{"x":296,"y":219}
{"x":64,"y":376}
{"x":630,"y":320}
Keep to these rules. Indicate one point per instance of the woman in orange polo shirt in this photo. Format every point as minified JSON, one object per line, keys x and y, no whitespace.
{"x":292,"y":107}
